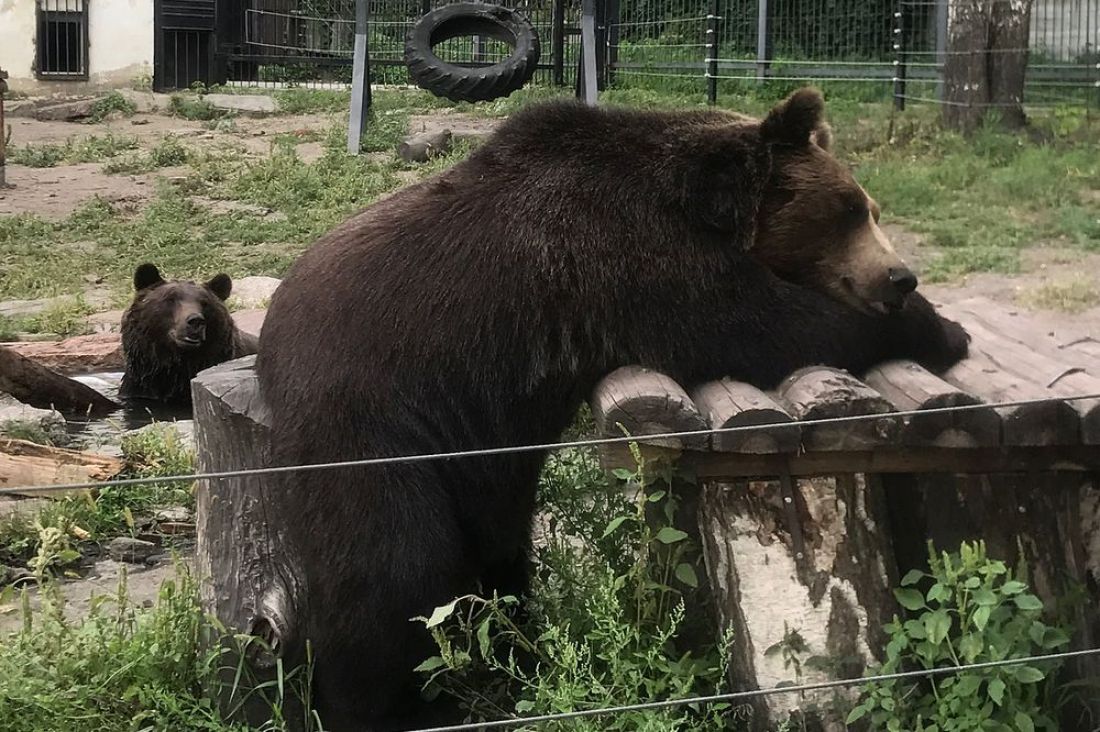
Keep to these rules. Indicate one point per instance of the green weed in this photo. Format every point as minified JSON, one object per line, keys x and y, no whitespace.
{"x":1073,"y":295}
{"x":113,"y":102}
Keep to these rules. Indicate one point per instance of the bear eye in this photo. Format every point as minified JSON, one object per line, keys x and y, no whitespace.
{"x":858,"y":210}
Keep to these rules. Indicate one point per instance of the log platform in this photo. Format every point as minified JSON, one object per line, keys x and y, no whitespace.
{"x":806,"y":527}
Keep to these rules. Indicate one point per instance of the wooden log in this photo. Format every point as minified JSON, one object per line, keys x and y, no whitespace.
{"x":909,"y":387}
{"x":827,"y":393}
{"x":825,"y":576}
{"x":28,"y":464}
{"x":727,"y":403}
{"x":36,"y":385}
{"x":646,"y":402}
{"x":250,"y":576}
{"x":1057,"y":377}
{"x":425,"y":146}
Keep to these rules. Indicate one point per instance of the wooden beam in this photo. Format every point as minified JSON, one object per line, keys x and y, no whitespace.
{"x":39,"y":387}
{"x":881,"y":460}
{"x":27,"y":464}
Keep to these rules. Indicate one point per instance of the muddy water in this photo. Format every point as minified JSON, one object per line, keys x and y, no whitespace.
{"x":103,"y":434}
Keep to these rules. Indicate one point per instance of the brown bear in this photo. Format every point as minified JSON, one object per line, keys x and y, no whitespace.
{"x":480,"y":307}
{"x":173,"y":330}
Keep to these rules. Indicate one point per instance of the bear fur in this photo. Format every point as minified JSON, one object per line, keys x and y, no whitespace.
{"x":480,"y":307}
{"x":173,"y":330}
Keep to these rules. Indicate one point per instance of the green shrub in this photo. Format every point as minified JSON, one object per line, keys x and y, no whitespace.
{"x":975,"y":610}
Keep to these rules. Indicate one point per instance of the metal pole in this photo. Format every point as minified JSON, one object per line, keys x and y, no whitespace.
{"x":611,"y":24}
{"x":712,"y":53}
{"x":360,"y":81}
{"x":587,"y":80}
{"x":899,"y":62}
{"x":763,"y":39}
{"x":941,"y":44}
{"x":3,"y":129}
{"x":557,"y":43}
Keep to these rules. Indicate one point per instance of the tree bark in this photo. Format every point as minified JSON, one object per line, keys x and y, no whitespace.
{"x":248,"y":578}
{"x":966,"y":91}
{"x":1009,"y":27}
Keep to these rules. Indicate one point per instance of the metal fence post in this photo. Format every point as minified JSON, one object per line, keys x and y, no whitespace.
{"x":899,"y":61}
{"x":941,"y":44}
{"x":611,"y":24}
{"x":587,"y":78}
{"x":360,"y":80}
{"x":557,"y":42}
{"x":763,"y":39}
{"x":712,"y":53}
{"x":3,"y":130}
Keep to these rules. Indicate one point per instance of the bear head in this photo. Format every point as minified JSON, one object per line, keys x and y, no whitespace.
{"x":816,"y":226}
{"x":179,"y":316}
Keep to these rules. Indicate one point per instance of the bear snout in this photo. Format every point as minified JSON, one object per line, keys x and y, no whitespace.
{"x":193,"y":332}
{"x":902,"y":282}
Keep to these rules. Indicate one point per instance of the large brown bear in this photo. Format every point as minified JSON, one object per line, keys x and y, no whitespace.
{"x":174,"y":329}
{"x":478,"y":308}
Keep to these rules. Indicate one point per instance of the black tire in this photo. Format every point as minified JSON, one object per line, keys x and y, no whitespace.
{"x":471,"y":84}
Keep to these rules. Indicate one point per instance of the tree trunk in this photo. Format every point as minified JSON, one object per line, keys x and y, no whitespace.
{"x":1009,"y":28}
{"x":986,"y":62}
{"x":807,"y":603}
{"x":966,"y":91}
{"x":248,"y":578}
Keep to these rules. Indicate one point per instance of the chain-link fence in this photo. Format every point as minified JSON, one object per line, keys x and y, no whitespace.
{"x":877,"y":49}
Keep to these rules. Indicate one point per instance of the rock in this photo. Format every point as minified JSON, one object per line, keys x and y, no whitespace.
{"x":251,"y":104}
{"x":65,"y":111}
{"x":177,"y":514}
{"x":250,"y":293}
{"x":135,"y":551}
{"x":78,"y":355}
{"x":250,"y":321}
{"x":146,"y":101}
{"x":11,"y":575}
{"x":421,"y":148}
{"x":19,"y":108}
{"x":47,"y":420}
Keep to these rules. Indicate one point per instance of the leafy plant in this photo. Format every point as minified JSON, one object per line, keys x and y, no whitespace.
{"x":607,"y":615}
{"x":113,"y":102}
{"x":975,"y":609}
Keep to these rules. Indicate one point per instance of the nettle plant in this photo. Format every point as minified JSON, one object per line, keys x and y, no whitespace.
{"x":606,"y":619}
{"x":975,"y":610}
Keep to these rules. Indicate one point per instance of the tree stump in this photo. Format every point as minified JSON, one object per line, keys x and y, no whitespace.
{"x":249,"y":581}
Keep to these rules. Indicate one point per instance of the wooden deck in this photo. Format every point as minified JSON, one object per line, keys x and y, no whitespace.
{"x":1012,"y":359}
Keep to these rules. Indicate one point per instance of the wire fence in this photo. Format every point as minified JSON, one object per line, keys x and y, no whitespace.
{"x":871,"y":50}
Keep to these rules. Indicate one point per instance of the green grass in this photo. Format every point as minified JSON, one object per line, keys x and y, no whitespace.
{"x":65,"y":318}
{"x":113,"y":102}
{"x":91,"y":149}
{"x":111,"y":511}
{"x":167,"y":153}
{"x":121,"y":668}
{"x":1072,"y":295}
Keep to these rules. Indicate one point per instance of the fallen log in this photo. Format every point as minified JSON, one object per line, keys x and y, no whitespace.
{"x":34,"y":384}
{"x":25,"y":463}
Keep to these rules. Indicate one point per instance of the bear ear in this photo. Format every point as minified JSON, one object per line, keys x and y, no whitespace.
{"x":794,"y":120}
{"x":221,"y":285}
{"x":822,"y":136}
{"x":147,"y":275}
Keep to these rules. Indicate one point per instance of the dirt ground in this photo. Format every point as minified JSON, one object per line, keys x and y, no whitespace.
{"x":56,"y":192}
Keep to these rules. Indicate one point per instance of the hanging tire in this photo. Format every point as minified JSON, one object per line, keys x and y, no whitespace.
{"x":464,"y":83}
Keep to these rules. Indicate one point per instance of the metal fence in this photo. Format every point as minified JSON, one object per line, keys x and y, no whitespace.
{"x":309,"y":42}
{"x":875,"y":48}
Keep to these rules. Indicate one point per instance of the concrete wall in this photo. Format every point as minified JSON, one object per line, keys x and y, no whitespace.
{"x":120,"y":44}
